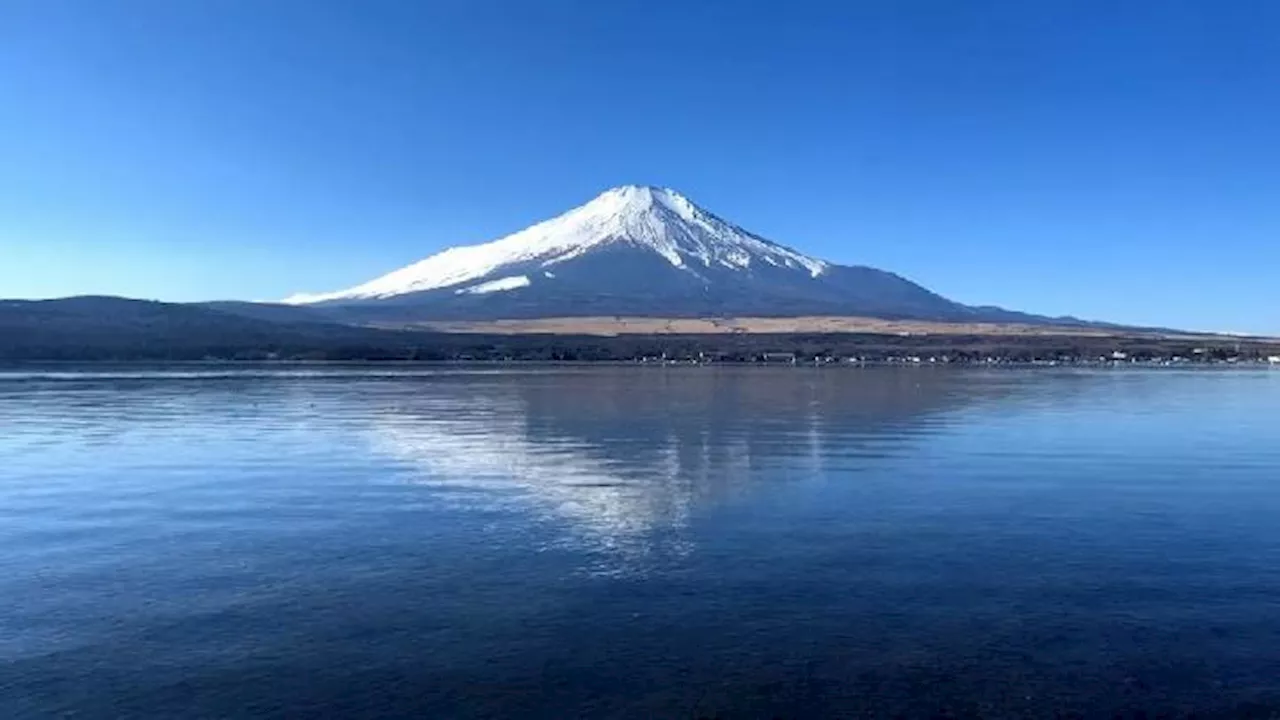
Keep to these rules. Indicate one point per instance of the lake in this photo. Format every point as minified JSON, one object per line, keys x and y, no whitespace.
{"x":307,"y":541}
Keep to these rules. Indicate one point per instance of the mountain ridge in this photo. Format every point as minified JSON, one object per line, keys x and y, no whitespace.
{"x":103,"y":328}
{"x":643,"y":251}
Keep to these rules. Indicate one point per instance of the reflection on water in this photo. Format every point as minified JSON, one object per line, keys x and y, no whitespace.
{"x":623,"y":457}
{"x":636,"y":542}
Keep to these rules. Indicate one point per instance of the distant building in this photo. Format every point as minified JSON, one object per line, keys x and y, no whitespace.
{"x":1274,"y":359}
{"x":782,"y":357}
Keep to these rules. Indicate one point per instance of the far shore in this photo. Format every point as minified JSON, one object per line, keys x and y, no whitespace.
{"x":611,"y":326}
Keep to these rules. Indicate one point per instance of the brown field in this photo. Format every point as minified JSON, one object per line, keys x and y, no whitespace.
{"x":613,"y":326}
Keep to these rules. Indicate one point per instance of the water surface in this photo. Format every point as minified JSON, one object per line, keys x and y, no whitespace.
{"x":637,"y":542}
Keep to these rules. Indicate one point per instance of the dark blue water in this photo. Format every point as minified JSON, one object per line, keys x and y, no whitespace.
{"x":616,"y":542}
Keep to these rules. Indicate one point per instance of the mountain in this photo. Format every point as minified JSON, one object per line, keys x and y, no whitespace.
{"x":639,"y":251}
{"x":90,"y":328}
{"x":120,"y":329}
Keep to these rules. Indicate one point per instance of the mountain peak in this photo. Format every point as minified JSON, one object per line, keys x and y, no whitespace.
{"x":643,"y":194}
{"x":639,"y":199}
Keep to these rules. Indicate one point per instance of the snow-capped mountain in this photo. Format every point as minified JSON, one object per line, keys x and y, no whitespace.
{"x":636,"y":250}
{"x":660,"y":221}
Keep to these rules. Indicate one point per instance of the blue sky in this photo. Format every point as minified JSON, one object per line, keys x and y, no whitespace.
{"x":1116,"y":160}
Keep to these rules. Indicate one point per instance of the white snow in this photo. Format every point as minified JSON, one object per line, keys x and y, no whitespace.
{"x":499,"y":285}
{"x":658,"y":219}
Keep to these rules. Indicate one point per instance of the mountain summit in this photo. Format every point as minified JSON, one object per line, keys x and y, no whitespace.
{"x":638,"y":250}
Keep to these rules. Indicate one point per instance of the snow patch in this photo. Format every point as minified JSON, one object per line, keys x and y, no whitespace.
{"x":499,"y":285}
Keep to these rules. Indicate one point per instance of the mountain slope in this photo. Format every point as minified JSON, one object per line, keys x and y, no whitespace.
{"x":89,"y":327}
{"x":637,"y":251}
{"x":119,"y":329}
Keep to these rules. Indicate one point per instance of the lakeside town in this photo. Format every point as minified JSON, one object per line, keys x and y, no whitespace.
{"x":1116,"y":358}
{"x":564,"y":353}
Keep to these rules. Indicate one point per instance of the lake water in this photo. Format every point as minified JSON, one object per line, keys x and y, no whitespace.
{"x":638,"y":542}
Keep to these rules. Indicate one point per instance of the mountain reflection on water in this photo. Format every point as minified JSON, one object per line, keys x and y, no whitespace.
{"x":623,"y":457}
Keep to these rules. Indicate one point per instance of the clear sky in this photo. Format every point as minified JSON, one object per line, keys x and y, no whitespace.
{"x":1117,"y":159}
